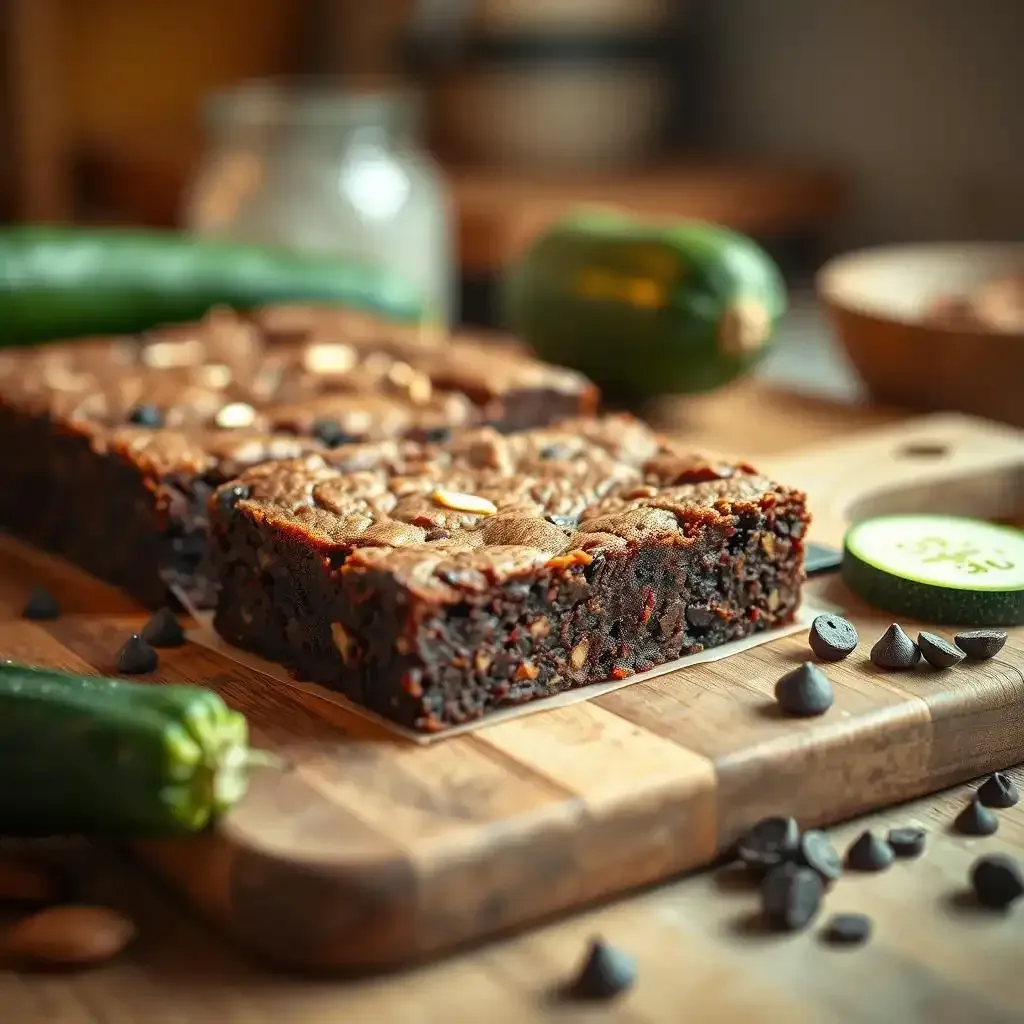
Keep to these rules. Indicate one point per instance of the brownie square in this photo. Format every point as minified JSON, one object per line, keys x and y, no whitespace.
{"x":110,"y":448}
{"x":436,"y":584}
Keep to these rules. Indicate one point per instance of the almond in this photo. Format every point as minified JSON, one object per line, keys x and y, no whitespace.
{"x":459,"y":501}
{"x":71,"y":935}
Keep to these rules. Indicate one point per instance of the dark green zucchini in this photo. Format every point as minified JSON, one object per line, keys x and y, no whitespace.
{"x":645,"y":310}
{"x":91,"y":755}
{"x":65,"y":282}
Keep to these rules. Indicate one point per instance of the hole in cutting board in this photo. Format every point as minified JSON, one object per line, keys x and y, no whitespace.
{"x":924,"y":450}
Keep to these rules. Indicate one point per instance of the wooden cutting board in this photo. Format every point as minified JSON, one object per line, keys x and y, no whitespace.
{"x":372,"y":851}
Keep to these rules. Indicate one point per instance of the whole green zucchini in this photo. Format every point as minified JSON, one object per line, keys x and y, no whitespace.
{"x":66,"y":282}
{"x":645,"y":310}
{"x":91,"y":755}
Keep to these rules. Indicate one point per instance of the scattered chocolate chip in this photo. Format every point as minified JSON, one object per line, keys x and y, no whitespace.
{"x":768,"y":843}
{"x":869,"y":853}
{"x":817,"y":853}
{"x":847,"y":929}
{"x":804,"y":691}
{"x":698,"y":617}
{"x":437,"y":435}
{"x":136,"y":657}
{"x":997,"y":880}
{"x":145,"y":415}
{"x":163,"y":630}
{"x":606,"y":972}
{"x":832,"y":638}
{"x":976,"y":820}
{"x":41,"y":606}
{"x":228,"y":497}
{"x":895,"y":650}
{"x":791,"y":897}
{"x":979,"y":644}
{"x":907,"y":841}
{"x":329,"y":433}
{"x":937,"y":652}
{"x":998,"y":790}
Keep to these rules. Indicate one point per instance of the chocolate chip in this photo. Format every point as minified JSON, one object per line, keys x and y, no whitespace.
{"x":228,"y":497}
{"x":605,"y":973}
{"x":804,"y":691}
{"x":699,"y":618}
{"x":907,"y":841}
{"x":768,"y":843}
{"x":869,"y":853}
{"x":566,"y":522}
{"x":329,"y":433}
{"x":937,"y":652}
{"x":791,"y":897}
{"x":997,"y":880}
{"x":41,"y":606}
{"x":998,"y":790}
{"x":145,"y":415}
{"x":895,"y":650}
{"x":437,"y":435}
{"x":979,"y":644}
{"x":832,"y":638}
{"x":847,"y":929}
{"x":163,"y":630}
{"x":817,"y":853}
{"x":136,"y":657}
{"x":976,"y":820}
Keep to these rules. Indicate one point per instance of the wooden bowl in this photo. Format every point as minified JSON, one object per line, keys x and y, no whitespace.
{"x":878,"y":301}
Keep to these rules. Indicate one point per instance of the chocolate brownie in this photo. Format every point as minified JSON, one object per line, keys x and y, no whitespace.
{"x":110,"y":448}
{"x":435,"y":584}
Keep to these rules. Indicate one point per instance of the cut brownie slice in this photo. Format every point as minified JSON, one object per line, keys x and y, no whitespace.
{"x":110,"y":448}
{"x":434,"y":585}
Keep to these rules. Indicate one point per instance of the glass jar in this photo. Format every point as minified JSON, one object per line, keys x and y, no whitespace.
{"x":326,"y":170}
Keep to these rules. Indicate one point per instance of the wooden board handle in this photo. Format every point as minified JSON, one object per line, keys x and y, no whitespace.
{"x":943,"y":463}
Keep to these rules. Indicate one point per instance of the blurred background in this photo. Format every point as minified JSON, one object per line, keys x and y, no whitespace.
{"x":439,"y":136}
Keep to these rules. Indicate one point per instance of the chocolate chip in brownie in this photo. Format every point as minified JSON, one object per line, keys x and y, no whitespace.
{"x":329,"y":433}
{"x":791,"y":897}
{"x":698,"y":617}
{"x":163,"y":630}
{"x":976,"y":820}
{"x":979,"y":644}
{"x":906,"y":841}
{"x":869,"y":853}
{"x":437,"y":435}
{"x":832,"y":638}
{"x":847,"y":929}
{"x":229,"y":497}
{"x":768,"y":843}
{"x":937,"y":652}
{"x":997,"y":881}
{"x":998,"y":790}
{"x":895,"y":650}
{"x":41,"y":606}
{"x":145,"y":415}
{"x":606,"y":972}
{"x":817,"y":853}
{"x":805,"y":691}
{"x":136,"y":657}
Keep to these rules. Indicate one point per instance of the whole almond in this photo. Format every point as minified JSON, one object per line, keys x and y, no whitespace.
{"x":24,"y":882}
{"x":68,"y":936}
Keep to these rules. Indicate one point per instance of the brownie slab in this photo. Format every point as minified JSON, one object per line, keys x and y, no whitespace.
{"x":110,"y":448}
{"x":435,"y":584}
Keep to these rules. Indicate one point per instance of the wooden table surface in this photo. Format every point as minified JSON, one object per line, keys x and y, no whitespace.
{"x":702,"y":957}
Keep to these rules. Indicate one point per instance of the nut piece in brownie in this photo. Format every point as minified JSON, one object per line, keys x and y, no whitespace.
{"x":434,"y":585}
{"x":110,"y":448}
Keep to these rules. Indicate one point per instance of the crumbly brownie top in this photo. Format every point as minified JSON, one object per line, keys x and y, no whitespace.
{"x":233,"y":389}
{"x":458,"y":518}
